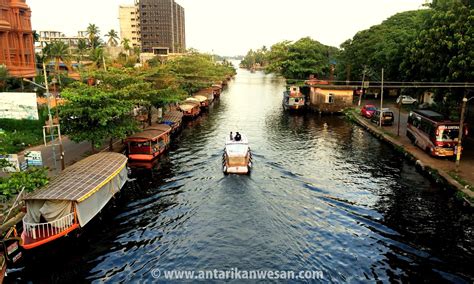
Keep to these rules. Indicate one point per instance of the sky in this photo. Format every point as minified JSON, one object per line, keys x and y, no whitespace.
{"x":232,"y":27}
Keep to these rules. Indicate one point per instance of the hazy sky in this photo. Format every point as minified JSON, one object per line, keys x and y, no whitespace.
{"x":231,"y":27}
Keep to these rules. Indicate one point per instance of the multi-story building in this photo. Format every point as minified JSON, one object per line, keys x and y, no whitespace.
{"x":16,"y":38}
{"x":47,"y":37}
{"x":162,"y":28}
{"x":130,"y":24}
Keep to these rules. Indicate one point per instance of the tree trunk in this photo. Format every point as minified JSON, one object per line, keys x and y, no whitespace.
{"x":111,"y":144}
{"x":149,"y":118}
{"x":92,"y":147}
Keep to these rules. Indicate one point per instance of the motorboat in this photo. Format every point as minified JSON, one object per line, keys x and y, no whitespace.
{"x":237,"y":158}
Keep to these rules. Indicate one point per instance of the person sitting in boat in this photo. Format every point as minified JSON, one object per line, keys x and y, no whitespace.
{"x":237,"y":136}
{"x":231,"y":137}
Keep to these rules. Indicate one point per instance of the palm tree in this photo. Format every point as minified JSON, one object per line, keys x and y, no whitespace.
{"x":81,"y":48}
{"x":113,"y":38}
{"x":57,"y":51}
{"x":126,"y":45}
{"x":93,"y":33}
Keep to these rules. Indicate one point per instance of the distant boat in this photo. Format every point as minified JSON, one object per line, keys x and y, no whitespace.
{"x":73,"y":198}
{"x":293,"y":99}
{"x":237,"y":158}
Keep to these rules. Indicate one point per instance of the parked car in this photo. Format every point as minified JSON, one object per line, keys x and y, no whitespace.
{"x":387,"y":116}
{"x":368,"y":111}
{"x":406,"y":100}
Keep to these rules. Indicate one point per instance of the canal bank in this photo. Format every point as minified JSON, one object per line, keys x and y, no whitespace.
{"x":426,"y":164}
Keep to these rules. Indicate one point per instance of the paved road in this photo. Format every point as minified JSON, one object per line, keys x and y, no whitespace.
{"x":466,"y":170}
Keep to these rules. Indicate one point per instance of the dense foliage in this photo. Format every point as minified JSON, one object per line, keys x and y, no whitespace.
{"x":381,"y":46}
{"x":294,"y":60}
{"x":104,"y":111}
{"x":29,"y":180}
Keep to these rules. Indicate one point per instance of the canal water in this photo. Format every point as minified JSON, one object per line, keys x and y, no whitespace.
{"x":324,"y":195}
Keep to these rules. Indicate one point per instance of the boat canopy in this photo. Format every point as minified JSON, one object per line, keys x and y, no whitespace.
{"x":237,"y":148}
{"x":200,"y":98}
{"x":188,"y":105}
{"x":150,"y":133}
{"x":85,"y":187}
{"x":193,"y":99}
{"x":172,"y":117}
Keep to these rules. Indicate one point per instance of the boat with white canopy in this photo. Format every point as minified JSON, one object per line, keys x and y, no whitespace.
{"x":237,"y":158}
{"x":72,"y":199}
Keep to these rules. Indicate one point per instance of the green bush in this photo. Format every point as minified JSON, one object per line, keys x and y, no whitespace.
{"x":29,"y":180}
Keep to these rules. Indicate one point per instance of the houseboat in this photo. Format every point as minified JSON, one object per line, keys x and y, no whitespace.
{"x":174,"y":119}
{"x":237,"y":158}
{"x":190,"y":109}
{"x":217,"y":90}
{"x":202,"y":100}
{"x":293,"y":99}
{"x":208,"y":93}
{"x":147,"y":145}
{"x":72,"y":199}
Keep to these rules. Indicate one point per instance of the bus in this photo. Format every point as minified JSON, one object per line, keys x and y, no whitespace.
{"x":433,"y":133}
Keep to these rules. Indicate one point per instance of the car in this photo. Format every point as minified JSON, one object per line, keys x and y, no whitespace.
{"x":387,"y":117}
{"x":367,"y":111}
{"x":406,"y":100}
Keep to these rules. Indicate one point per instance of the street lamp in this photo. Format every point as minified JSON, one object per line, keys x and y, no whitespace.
{"x":461,"y":126}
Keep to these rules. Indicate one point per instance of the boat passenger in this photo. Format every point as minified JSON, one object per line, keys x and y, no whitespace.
{"x":237,"y":136}
{"x":231,"y":137}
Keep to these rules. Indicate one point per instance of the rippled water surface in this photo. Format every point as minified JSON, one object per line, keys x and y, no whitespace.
{"x":323,"y":195}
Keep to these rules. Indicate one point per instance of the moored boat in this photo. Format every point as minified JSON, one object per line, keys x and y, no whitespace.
{"x":237,"y":158}
{"x":208,"y":93}
{"x":174,"y":119}
{"x":190,"y":109}
{"x":293,"y":99}
{"x":147,"y":145}
{"x":217,"y":90}
{"x":202,"y":100}
{"x":73,"y":198}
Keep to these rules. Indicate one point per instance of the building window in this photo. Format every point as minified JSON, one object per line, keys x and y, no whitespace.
{"x":330,"y":99}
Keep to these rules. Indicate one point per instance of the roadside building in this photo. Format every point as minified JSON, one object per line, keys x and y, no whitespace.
{"x":16,"y":38}
{"x":330,"y":98}
{"x":48,"y":37}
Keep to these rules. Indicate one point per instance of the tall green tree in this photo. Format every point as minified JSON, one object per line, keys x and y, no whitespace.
{"x":57,"y":51}
{"x":126,"y":45}
{"x":443,"y":49}
{"x":113,"y":38}
{"x":81,"y":49}
{"x":93,"y":34}
{"x":301,"y":59}
{"x":95,"y":114}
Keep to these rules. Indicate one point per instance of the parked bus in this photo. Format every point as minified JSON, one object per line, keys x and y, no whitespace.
{"x":433,"y":133}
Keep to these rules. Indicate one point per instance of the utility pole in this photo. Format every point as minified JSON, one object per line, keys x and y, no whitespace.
{"x":381,"y":102}
{"x":399,"y":110}
{"x":50,"y":117}
{"x":461,"y":129}
{"x":362,"y":87}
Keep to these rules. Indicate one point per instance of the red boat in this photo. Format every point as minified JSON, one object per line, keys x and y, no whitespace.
{"x":148,"y":144}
